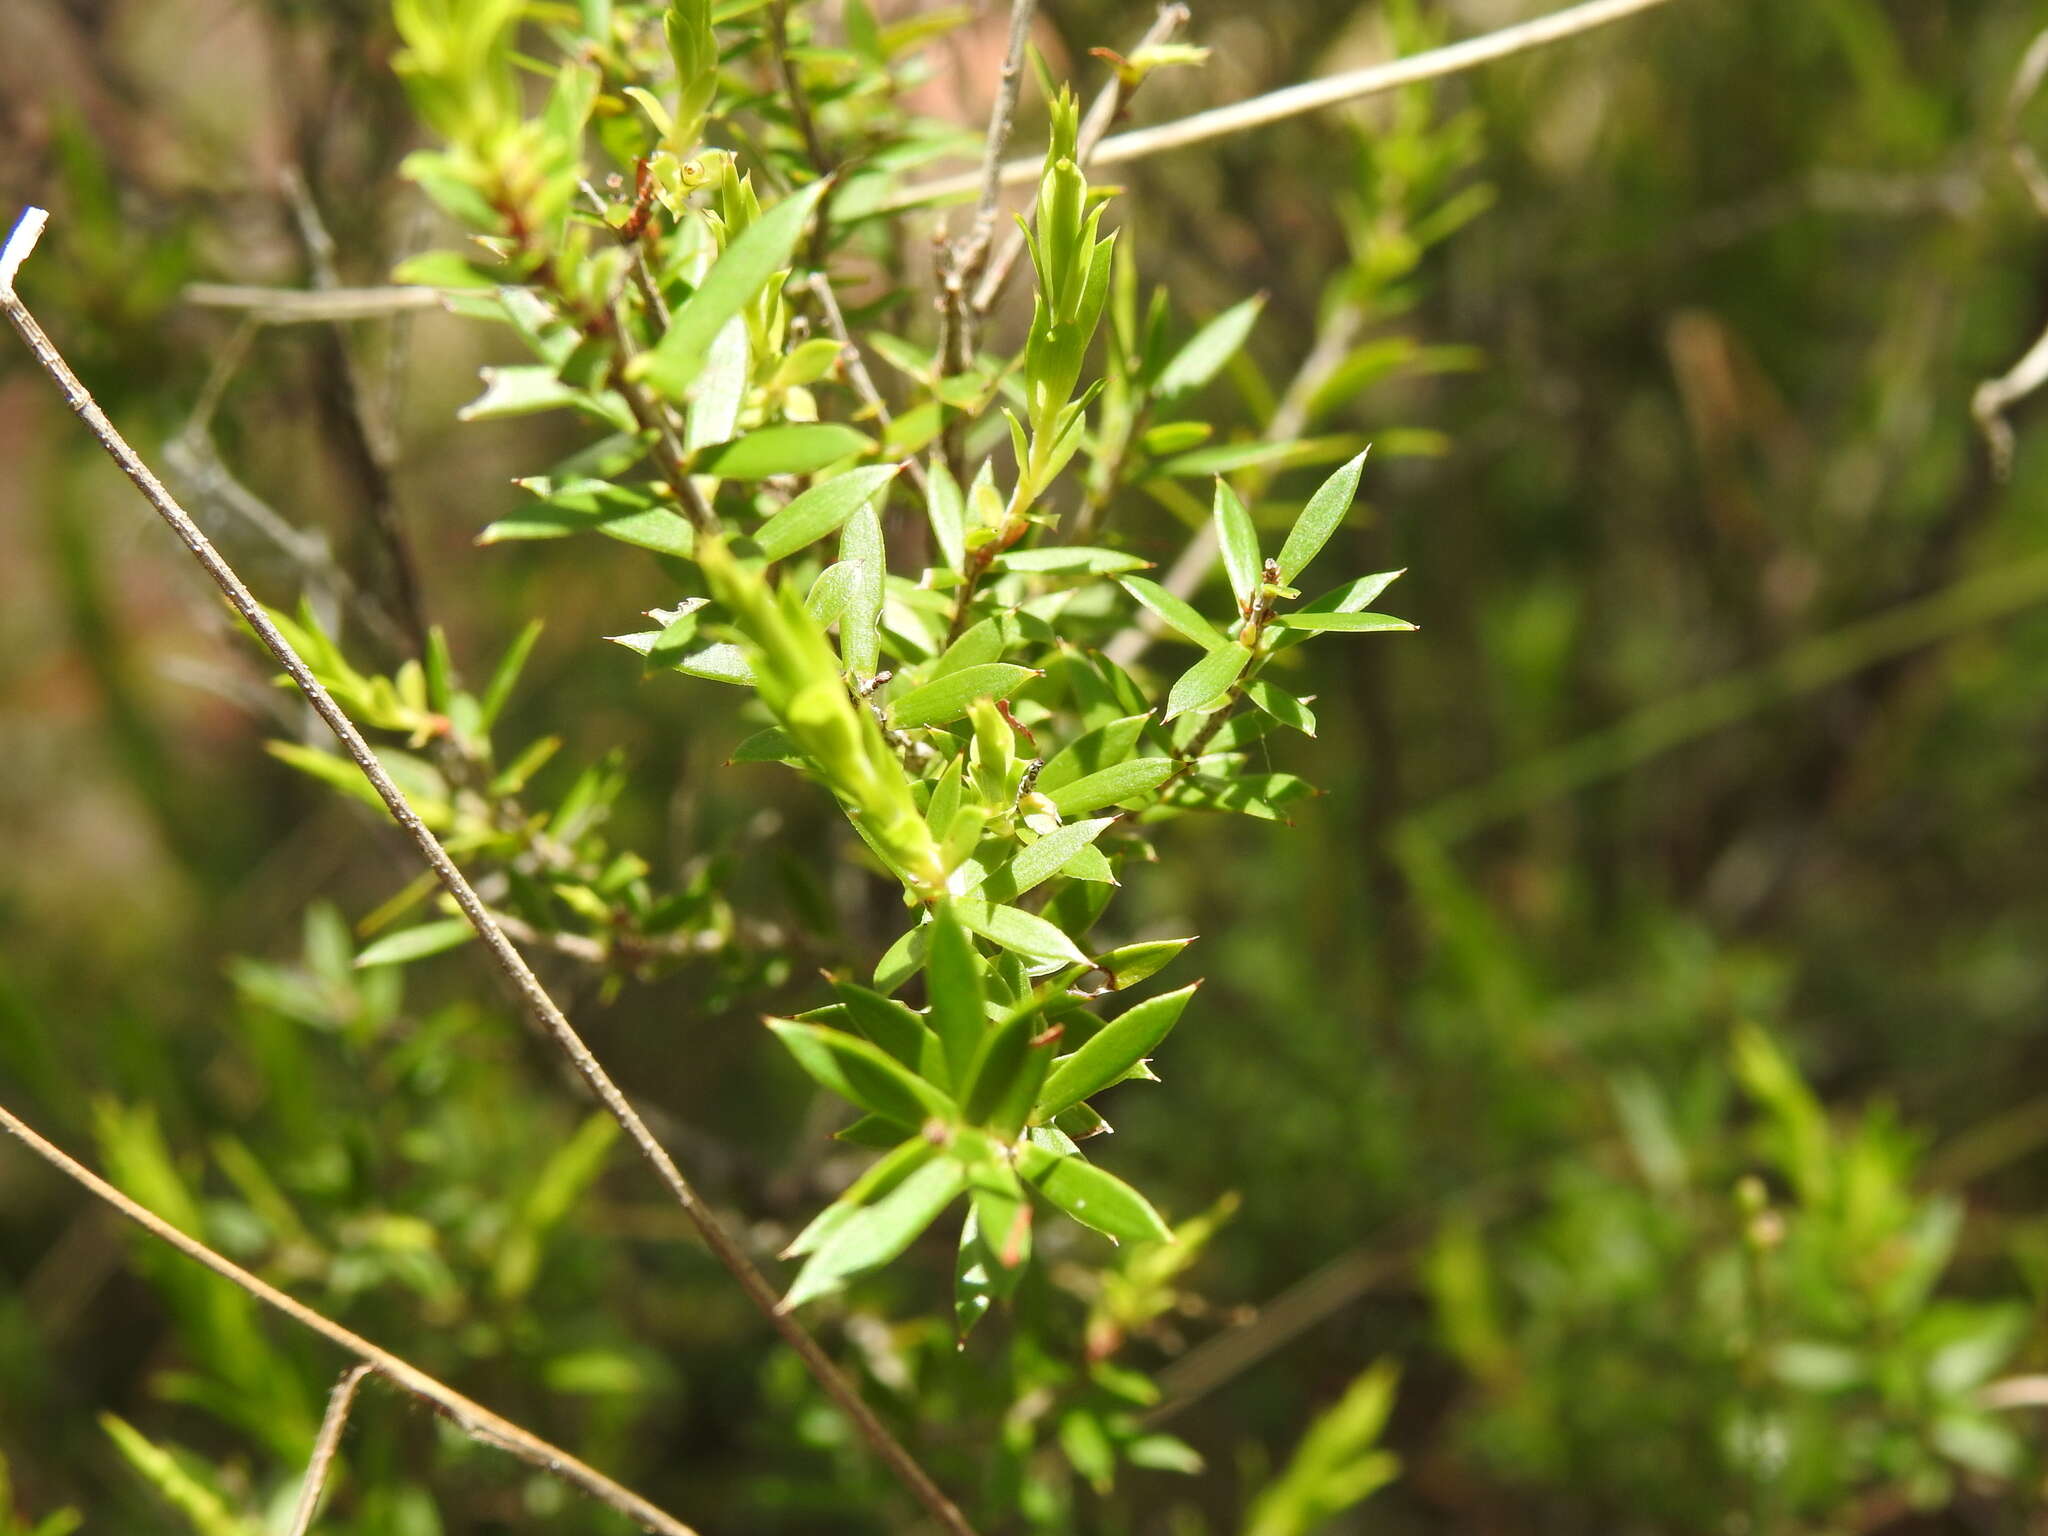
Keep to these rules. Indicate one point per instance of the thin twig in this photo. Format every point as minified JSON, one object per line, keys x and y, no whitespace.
{"x":849,"y":352}
{"x":1310,"y":96}
{"x":503,"y":953}
{"x":857,"y":373}
{"x":969,"y":257}
{"x":468,"y":1415}
{"x":297,"y":306}
{"x":793,"y":88}
{"x":1107,"y":107}
{"x":332,"y":1423}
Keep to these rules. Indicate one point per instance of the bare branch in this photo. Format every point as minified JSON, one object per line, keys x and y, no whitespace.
{"x":297,"y":306}
{"x":507,"y":958}
{"x":968,"y":258}
{"x":793,"y":89}
{"x":332,"y":1423}
{"x":857,"y":366}
{"x":471,"y":1417}
{"x":1310,"y":96}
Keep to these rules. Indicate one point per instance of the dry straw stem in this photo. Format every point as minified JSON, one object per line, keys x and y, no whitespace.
{"x":503,"y":953}
{"x":325,"y":1444}
{"x":1310,"y":96}
{"x":472,"y":1418}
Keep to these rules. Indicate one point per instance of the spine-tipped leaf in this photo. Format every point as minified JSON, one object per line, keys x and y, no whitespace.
{"x":1091,"y":1196}
{"x":864,"y":1073}
{"x":1319,"y":519}
{"x":1119,"y":1046}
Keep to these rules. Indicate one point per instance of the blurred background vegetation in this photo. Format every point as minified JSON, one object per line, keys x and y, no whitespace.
{"x":1641,"y":1042}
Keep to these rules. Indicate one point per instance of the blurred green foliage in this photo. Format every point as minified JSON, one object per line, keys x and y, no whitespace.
{"x":1638,"y":1042}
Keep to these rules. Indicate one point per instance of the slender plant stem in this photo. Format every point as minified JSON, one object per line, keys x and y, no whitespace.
{"x":471,"y":1417}
{"x":958,"y":263}
{"x":1310,"y":96}
{"x":325,"y":1445}
{"x":793,"y":88}
{"x":969,"y":258}
{"x":820,"y":285}
{"x":505,"y":955}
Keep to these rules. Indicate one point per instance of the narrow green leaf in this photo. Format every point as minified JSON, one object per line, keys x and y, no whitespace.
{"x":1020,"y":932}
{"x":1117,"y":1047}
{"x":1204,"y":684}
{"x":521,"y":390}
{"x":953,"y":979}
{"x":721,"y":389}
{"x":1229,"y":458}
{"x":417,"y":943}
{"x":826,"y":601}
{"x":821,"y":510}
{"x":720,"y":663}
{"x":1070,"y":559}
{"x":1209,"y":349}
{"x":946,"y":698}
{"x":877,"y":1233}
{"x":880,"y":1177}
{"x":876,"y":1131}
{"x":800,"y":448}
{"x":631,"y":514}
{"x":1261,"y":795}
{"x":1104,"y":747}
{"x":980,"y":644}
{"x":863,"y":1073}
{"x":1281,"y":705}
{"x":1043,"y":859}
{"x":1239,"y":541}
{"x":860,"y":626}
{"x":1091,"y":1196}
{"x":1174,"y":612}
{"x":999,"y":1062}
{"x":1353,"y":595}
{"x":1354,"y":623}
{"x":891,"y":1025}
{"x":506,"y":677}
{"x":1319,"y":519}
{"x":198,"y":1503}
{"x":1134,"y":963}
{"x":903,"y":959}
{"x":770,"y":746}
{"x":1111,"y":786}
{"x":948,"y":511}
{"x":995,"y":1239}
{"x":742,"y":270}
